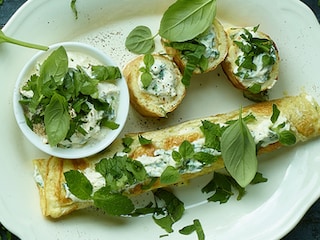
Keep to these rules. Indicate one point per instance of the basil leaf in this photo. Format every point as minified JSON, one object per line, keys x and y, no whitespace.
{"x":146,"y":79}
{"x":78,"y":184}
{"x":56,"y":119}
{"x":238,"y":151}
{"x":112,"y":203}
{"x":54,"y":67}
{"x":186,"y":19}
{"x":140,"y":40}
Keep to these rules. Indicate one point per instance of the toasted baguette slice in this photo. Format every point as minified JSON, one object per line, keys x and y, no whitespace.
{"x":215,"y":40}
{"x":243,"y":77}
{"x":164,"y":93}
{"x":301,"y":114}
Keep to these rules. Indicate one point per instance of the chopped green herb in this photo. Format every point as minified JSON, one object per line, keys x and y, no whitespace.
{"x":143,"y":141}
{"x":121,"y":171}
{"x":171,"y":212}
{"x":195,"y":227}
{"x":74,"y":8}
{"x":126,"y":142}
{"x":146,"y":77}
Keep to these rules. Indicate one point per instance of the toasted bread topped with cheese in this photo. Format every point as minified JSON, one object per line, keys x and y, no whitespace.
{"x":154,"y":83}
{"x":203,"y":53}
{"x":252,"y":63}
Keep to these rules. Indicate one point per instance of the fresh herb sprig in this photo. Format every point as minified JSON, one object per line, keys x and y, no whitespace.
{"x":182,"y":21}
{"x":252,"y":47}
{"x":146,"y":77}
{"x":4,"y":38}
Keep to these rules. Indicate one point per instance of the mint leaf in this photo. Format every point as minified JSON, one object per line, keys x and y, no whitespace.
{"x":121,"y":171}
{"x":186,"y":150}
{"x":112,"y":203}
{"x":56,"y":119}
{"x":287,"y":138}
{"x":170,"y":175}
{"x":78,"y":184}
{"x":195,"y":227}
{"x":212,"y":133}
{"x":172,"y":210}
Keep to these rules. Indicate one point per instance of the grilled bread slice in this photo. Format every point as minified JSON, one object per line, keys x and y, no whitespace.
{"x":155,"y":86}
{"x":298,"y":114}
{"x":252,"y":63}
{"x":213,"y":41}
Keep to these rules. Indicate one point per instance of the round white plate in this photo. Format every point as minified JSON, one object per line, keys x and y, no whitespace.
{"x":267,"y":211}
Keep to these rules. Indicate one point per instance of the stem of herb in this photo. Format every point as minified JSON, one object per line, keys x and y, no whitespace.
{"x":24,"y":44}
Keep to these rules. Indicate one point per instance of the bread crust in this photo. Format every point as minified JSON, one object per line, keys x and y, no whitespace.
{"x":229,"y":63}
{"x":146,"y":103}
{"x":221,"y":42}
{"x":302,"y":113}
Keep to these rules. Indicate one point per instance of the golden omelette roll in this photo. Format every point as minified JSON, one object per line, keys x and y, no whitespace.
{"x":215,"y":42}
{"x":162,"y":94}
{"x":298,"y":114}
{"x":252,"y":63}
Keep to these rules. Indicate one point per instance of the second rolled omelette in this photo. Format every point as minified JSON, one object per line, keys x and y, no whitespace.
{"x":299,"y":115}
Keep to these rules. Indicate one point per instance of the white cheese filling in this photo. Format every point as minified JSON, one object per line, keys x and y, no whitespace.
{"x":163,"y":82}
{"x":250,"y":77}
{"x":107,"y":92}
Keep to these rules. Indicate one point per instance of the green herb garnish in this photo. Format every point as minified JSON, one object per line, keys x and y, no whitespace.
{"x":182,"y":21}
{"x":170,"y":213}
{"x":195,"y":227}
{"x":239,"y":152}
{"x":146,"y":77}
{"x":58,"y":91}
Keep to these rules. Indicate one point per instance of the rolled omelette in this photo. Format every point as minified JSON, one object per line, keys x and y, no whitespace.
{"x":300,"y":115}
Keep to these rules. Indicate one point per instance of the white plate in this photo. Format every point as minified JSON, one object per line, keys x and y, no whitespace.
{"x":268,"y":211}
